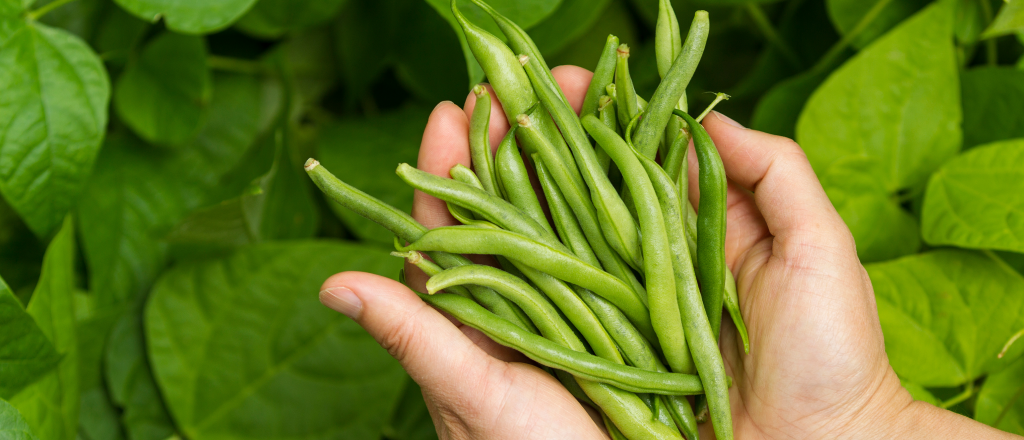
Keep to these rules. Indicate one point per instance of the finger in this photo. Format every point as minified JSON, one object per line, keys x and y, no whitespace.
{"x":498,"y":125}
{"x":445,"y":144}
{"x":784,"y":186}
{"x":432,"y":350}
{"x":574,"y":82}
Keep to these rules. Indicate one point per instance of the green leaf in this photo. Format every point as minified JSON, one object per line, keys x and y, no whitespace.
{"x":98,"y":418}
{"x":138,"y":193}
{"x":895,"y":101}
{"x":50,"y":405}
{"x":779,"y":109}
{"x":586,"y":49}
{"x":919,"y":392}
{"x":13,"y":425}
{"x":162,"y":95}
{"x":54,"y":108}
{"x":425,"y":51}
{"x":525,"y":13}
{"x":881,"y":228}
{"x":274,"y":18}
{"x":241,"y":348}
{"x":131,"y":382}
{"x":118,"y":32}
{"x":1009,"y":20}
{"x":993,"y":98}
{"x":410,"y":419}
{"x":846,"y":14}
{"x":79,"y":17}
{"x":566,"y":24}
{"x":365,"y":152}
{"x":946,"y":314}
{"x":977,"y":200}
{"x":25,"y":352}
{"x":189,"y":16}
{"x":1001,"y":400}
{"x":969,"y":21}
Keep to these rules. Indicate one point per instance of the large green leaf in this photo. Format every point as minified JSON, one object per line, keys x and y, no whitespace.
{"x":98,"y":418}
{"x":364,"y":153}
{"x":25,"y":352}
{"x":1009,"y":20}
{"x":895,"y":102}
{"x":779,"y":109}
{"x":1001,"y":400}
{"x":50,"y":405}
{"x":525,"y":13}
{"x":946,"y":314}
{"x":846,"y":14}
{"x":241,"y":348}
{"x":131,"y":382}
{"x":993,"y":98}
{"x":139,"y":192}
{"x":410,"y":419}
{"x":274,"y":18}
{"x":12,"y":424}
{"x":883,"y":230}
{"x":189,"y":16}
{"x":162,"y":95}
{"x":567,"y":24}
{"x":977,"y":200}
{"x":54,"y":111}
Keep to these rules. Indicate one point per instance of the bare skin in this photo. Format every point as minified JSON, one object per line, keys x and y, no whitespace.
{"x":817,"y":366}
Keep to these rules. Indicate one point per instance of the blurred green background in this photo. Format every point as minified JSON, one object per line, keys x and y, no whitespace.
{"x":163,"y":248}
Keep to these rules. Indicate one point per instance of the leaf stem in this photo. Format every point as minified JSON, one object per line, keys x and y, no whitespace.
{"x":236,"y":65}
{"x":991,"y":52}
{"x":837,"y":49}
{"x":769,"y":31}
{"x":968,"y":392}
{"x":34,"y":15}
{"x":719,"y":97}
{"x":1009,"y":343}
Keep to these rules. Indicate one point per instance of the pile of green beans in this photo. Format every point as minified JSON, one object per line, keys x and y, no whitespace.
{"x":619,"y":293}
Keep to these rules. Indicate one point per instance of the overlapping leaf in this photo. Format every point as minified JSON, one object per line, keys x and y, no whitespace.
{"x":1009,"y":20}
{"x":274,"y":18}
{"x":262,"y":357}
{"x":947,"y":314}
{"x":25,"y":352}
{"x":189,"y":16}
{"x":977,"y":199}
{"x":12,"y":424}
{"x":54,"y":111}
{"x":883,"y":15}
{"x":1001,"y":400}
{"x":993,"y":98}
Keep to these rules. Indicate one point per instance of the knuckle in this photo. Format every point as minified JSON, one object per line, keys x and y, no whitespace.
{"x":397,"y":338}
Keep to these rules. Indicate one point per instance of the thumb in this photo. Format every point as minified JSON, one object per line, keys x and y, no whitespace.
{"x":432,"y":350}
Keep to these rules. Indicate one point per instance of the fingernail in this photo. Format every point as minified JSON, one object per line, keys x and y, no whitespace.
{"x":442,"y":103}
{"x":727,"y":120}
{"x":342,"y":300}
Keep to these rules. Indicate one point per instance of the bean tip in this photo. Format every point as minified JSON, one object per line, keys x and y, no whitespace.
{"x":523,"y":59}
{"x":479,"y":90}
{"x":523,"y":120}
{"x":310,"y":164}
{"x":604,"y":102}
{"x":623,"y":50}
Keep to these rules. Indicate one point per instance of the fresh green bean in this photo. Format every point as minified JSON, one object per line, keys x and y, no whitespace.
{"x":658,"y":271}
{"x":711,"y":273}
{"x":666,"y":96}
{"x":626,"y":102}
{"x":613,"y":432}
{"x":710,"y":223}
{"x":667,"y":46}
{"x":515,"y":180}
{"x":479,"y":140}
{"x":407,"y":228}
{"x":604,"y":75}
{"x":461,"y":174}
{"x":559,"y":263}
{"x":546,"y":352}
{"x":581,"y":203}
{"x":606,"y":113}
{"x":732,"y":304}
{"x":562,"y":216}
{"x":491,"y":208}
{"x":674,"y":162}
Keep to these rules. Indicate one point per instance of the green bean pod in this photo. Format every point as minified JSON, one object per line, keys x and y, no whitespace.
{"x":604,"y":75}
{"x":408,"y":229}
{"x":554,"y":355}
{"x":430,"y":268}
{"x":581,"y":202}
{"x":626,"y":99}
{"x":732,"y":304}
{"x":606,"y":113}
{"x":562,"y":216}
{"x":658,"y":270}
{"x":667,"y":46}
{"x":515,"y":180}
{"x":670,"y":90}
{"x":479,"y":140}
{"x":541,"y":256}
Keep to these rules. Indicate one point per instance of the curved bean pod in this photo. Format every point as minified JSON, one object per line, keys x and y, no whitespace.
{"x":669,"y":91}
{"x":732,"y":304}
{"x":583,"y":365}
{"x":479,"y":140}
{"x":515,"y":180}
{"x":604,"y":75}
{"x":626,"y":99}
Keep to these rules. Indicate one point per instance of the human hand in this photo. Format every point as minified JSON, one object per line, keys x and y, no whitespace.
{"x":817,"y":367}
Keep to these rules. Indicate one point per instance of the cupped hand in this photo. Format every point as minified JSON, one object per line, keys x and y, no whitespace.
{"x":817,"y":366}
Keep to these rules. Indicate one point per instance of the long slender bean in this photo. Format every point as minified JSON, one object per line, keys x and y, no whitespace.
{"x":658,"y":271}
{"x":626,"y":102}
{"x":515,"y":180}
{"x":666,"y":96}
{"x":732,"y":305}
{"x":479,"y":139}
{"x":549,"y":353}
{"x":604,"y":75}
{"x":430,"y":269}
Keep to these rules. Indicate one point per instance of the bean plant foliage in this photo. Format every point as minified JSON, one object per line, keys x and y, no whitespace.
{"x":161,"y":248}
